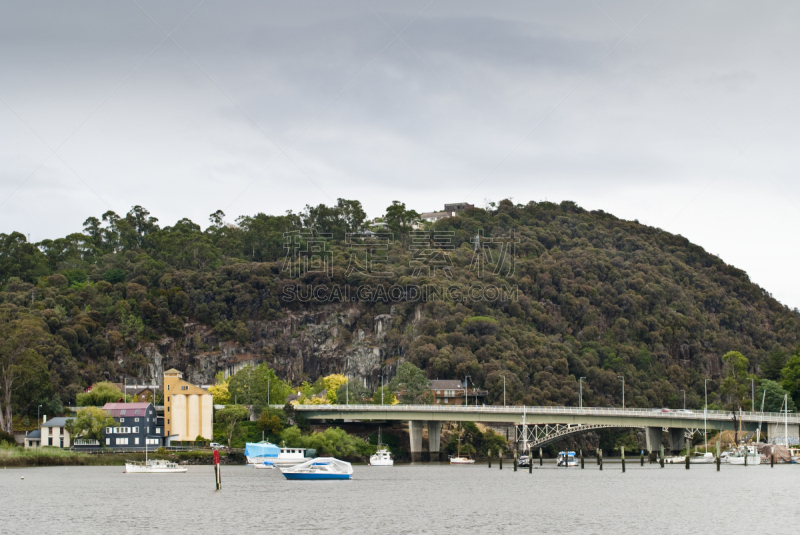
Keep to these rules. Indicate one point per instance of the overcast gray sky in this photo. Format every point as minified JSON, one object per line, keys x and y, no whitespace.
{"x":682,"y":115}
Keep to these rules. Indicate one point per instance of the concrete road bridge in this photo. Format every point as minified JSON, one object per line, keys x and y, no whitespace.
{"x":539,"y":426}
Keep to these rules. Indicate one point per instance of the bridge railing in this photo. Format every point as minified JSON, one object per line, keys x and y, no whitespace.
{"x":767,"y":417}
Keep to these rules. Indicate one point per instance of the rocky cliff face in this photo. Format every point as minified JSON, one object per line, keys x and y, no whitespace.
{"x":302,"y":346}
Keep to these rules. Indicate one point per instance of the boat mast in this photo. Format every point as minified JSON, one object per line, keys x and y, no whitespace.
{"x":524,"y":432}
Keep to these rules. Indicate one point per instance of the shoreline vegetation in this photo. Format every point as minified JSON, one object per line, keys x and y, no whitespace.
{"x":12,"y":456}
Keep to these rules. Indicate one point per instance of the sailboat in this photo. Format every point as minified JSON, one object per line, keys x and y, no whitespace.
{"x":153,"y":466}
{"x":382,"y":456}
{"x":458,"y":458}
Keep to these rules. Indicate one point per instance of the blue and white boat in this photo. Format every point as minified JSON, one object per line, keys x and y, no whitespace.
{"x":566,"y":458}
{"x":319,"y":468}
{"x":257,"y":453}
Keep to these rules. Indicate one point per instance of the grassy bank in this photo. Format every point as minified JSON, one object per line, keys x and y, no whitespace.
{"x":14,"y":456}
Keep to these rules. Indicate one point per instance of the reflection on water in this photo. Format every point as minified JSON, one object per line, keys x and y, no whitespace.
{"x":420,"y":498}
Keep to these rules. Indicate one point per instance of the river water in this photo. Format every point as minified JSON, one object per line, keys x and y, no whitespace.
{"x":418,"y":498}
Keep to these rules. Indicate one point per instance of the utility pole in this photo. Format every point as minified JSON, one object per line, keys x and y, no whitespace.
{"x":623,"y":389}
{"x":752,"y":395}
{"x":580,"y":383}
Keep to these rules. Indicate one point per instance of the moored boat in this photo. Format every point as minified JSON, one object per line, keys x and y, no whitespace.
{"x":259,"y":452}
{"x":745,"y":455}
{"x":266,"y":465}
{"x":702,"y":458}
{"x":319,"y":468}
{"x":566,"y":458}
{"x":153,"y":466}
{"x":461,"y":459}
{"x":382,"y":457}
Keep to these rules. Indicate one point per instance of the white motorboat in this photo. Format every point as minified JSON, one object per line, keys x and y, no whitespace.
{"x":382,"y":456}
{"x":566,"y":458}
{"x":153,"y":466}
{"x":319,"y":468}
{"x":523,"y":461}
{"x":266,"y":465}
{"x":257,"y":453}
{"x":703,"y":458}
{"x":461,"y":459}
{"x":676,"y":459}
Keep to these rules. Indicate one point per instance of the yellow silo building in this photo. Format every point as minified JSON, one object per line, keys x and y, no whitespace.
{"x":188,"y":409}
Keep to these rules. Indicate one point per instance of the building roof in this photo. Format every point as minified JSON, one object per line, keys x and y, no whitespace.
{"x":34,"y":434}
{"x":446,"y":384}
{"x":126,"y":409}
{"x":187,"y":389}
{"x":437,"y":215}
{"x":61,"y":421}
{"x":173,"y":372}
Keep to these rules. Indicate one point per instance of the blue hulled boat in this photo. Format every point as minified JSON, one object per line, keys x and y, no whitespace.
{"x":319,"y":468}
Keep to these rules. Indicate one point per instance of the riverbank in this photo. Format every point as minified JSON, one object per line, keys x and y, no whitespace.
{"x":16,"y":457}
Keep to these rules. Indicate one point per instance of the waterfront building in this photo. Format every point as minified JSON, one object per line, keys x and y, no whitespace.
{"x":136,"y":427}
{"x":33,"y":438}
{"x":53,"y":432}
{"x":188,"y":409}
{"x":451,"y":392}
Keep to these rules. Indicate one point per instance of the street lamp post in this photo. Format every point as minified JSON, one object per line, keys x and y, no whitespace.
{"x":39,"y":416}
{"x":623,"y":389}
{"x":580,"y":384}
{"x":705,"y":413}
{"x":381,"y":389}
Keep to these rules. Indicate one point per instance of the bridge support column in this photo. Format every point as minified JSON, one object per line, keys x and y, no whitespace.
{"x":415,"y":439}
{"x":677,"y":439}
{"x":434,"y":440}
{"x":652,"y":436}
{"x":777,"y":431}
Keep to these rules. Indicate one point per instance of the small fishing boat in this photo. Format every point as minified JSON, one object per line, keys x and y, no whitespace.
{"x":266,"y":465}
{"x":153,"y":466}
{"x":382,"y":457}
{"x":523,"y":461}
{"x":566,"y":458}
{"x":745,"y":455}
{"x":319,"y":468}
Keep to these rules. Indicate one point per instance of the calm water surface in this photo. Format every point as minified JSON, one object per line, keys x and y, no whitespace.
{"x":419,"y":498}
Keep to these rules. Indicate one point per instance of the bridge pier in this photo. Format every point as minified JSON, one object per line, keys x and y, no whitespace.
{"x":653,"y":437}
{"x":677,"y":439}
{"x":434,"y":440}
{"x":415,"y":439}
{"x":777,"y":431}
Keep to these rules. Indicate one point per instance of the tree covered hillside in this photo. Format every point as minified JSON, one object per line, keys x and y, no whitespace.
{"x":598,"y":297}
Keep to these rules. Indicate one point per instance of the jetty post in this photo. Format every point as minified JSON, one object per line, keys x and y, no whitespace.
{"x":501,"y":459}
{"x":217,"y":475}
{"x":540,"y":457}
{"x":581,"y":458}
{"x":718,"y":455}
{"x":530,"y":460}
{"x":661,"y":456}
{"x":600,"y":458}
{"x":641,"y":457}
{"x":772,"y":460}
{"x":622,"y":452}
{"x":687,"y":458}
{"x":515,"y":459}
{"x":490,"y":458}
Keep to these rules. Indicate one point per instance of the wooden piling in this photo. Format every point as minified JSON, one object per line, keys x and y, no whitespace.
{"x":719,"y":459}
{"x":661,"y":456}
{"x":772,"y":460}
{"x":500,"y":460}
{"x":622,"y":452}
{"x":687,"y":458}
{"x":581,"y":459}
{"x":641,"y":458}
{"x":516,"y":462}
{"x":541,"y":463}
{"x":600,"y":458}
{"x":490,"y":458}
{"x":530,"y":460}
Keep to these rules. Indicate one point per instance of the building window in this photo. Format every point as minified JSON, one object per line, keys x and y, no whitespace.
{"x":167,"y":409}
{"x":136,"y":430}
{"x":122,"y":419}
{"x":168,"y":389}
{"x":50,"y":441}
{"x":121,"y":441}
{"x":60,"y":430}
{"x":158,"y":430}
{"x":136,"y":440}
{"x":136,"y":419}
{"x":153,"y":441}
{"x":50,"y":431}
{"x":167,"y":398}
{"x":109,"y":430}
{"x":108,"y":442}
{"x":167,"y":421}
{"x":62,"y":442}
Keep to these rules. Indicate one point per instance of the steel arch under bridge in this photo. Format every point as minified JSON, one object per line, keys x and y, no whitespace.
{"x":539,"y":435}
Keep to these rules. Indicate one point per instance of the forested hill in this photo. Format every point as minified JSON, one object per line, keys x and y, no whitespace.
{"x":598,"y":297}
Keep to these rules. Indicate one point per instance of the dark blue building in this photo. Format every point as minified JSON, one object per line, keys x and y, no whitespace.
{"x":137,"y":425}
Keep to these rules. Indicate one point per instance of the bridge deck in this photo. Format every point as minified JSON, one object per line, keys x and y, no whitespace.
{"x":534,"y":415}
